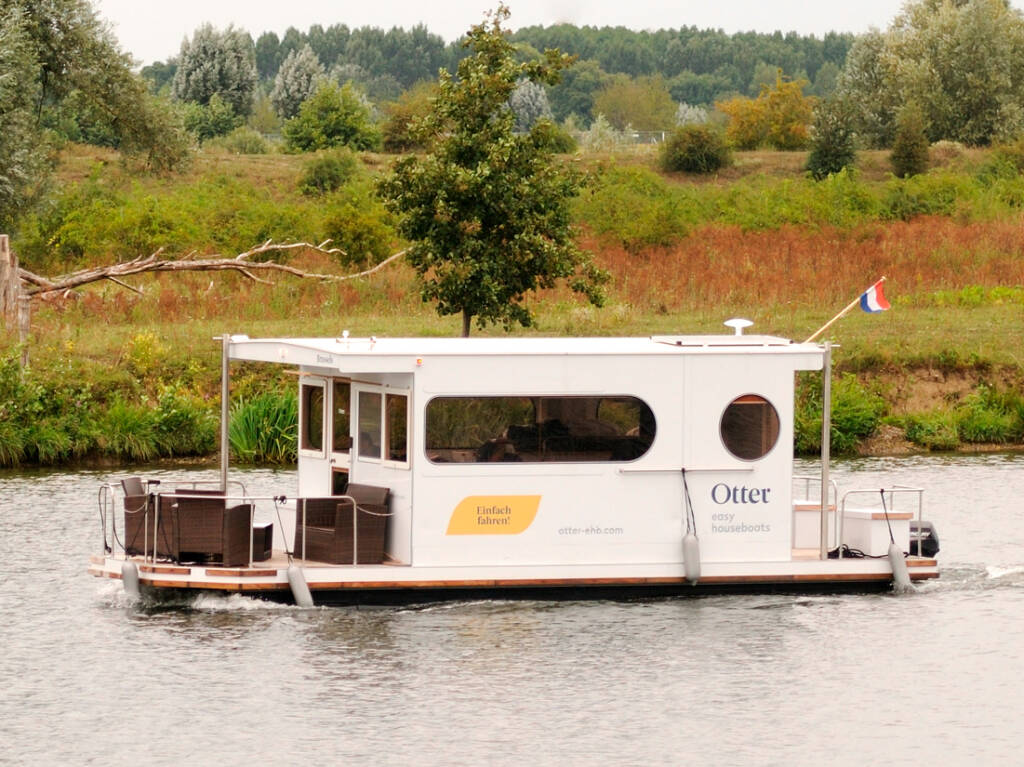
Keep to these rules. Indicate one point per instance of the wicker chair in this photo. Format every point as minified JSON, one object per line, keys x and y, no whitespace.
{"x":327,"y":535}
{"x":139,"y":518}
{"x":207,"y":531}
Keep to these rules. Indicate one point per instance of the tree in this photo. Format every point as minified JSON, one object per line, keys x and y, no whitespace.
{"x":295,"y":81}
{"x":909,"y":155}
{"x":960,"y":61}
{"x":215,"y":62}
{"x":574,"y":93}
{"x":779,"y":116}
{"x":62,"y":73}
{"x":488,"y":211}
{"x":529,"y":103}
{"x":21,"y":162}
{"x":333,"y":116}
{"x":643,"y":103}
{"x":213,"y":119}
{"x":401,"y":115}
{"x":832,"y":145}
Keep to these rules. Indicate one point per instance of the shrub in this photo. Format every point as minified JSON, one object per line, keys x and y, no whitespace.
{"x":333,"y":116}
{"x":184,"y":425}
{"x":328,"y":172}
{"x":909,"y":155}
{"x":243,"y":140}
{"x":359,"y":224}
{"x":695,"y":148}
{"x":945,"y":152}
{"x":856,"y":413}
{"x":210,"y":120}
{"x":832,"y":147}
{"x":935,"y":431}
{"x":634,"y":206}
{"x":991,"y":417}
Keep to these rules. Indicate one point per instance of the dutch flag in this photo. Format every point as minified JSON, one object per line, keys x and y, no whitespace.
{"x":873,"y":299}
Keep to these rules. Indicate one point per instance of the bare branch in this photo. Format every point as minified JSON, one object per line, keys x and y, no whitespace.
{"x":44,"y":286}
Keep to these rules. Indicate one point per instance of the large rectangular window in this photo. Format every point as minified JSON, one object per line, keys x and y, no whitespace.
{"x":537,"y":429}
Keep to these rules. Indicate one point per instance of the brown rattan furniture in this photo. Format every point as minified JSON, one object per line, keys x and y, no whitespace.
{"x":209,"y":531}
{"x":140,"y":519}
{"x":327,"y":535}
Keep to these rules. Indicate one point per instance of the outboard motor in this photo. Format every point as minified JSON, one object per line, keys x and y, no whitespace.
{"x":924,"y":533}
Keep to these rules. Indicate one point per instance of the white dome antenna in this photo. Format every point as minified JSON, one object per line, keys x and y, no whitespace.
{"x":737,"y":324}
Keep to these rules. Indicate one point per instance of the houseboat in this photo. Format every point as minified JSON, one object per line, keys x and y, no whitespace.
{"x":443,"y":468}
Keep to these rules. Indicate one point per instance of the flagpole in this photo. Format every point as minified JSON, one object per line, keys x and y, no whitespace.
{"x":841,"y":314}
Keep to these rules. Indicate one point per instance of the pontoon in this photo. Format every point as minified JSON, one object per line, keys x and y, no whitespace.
{"x":435,"y":468}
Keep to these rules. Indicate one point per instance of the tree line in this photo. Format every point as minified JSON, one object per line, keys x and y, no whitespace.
{"x":697,"y":66}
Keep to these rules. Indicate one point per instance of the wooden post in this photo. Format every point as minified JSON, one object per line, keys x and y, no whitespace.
{"x":10,"y":283}
{"x":24,"y":326}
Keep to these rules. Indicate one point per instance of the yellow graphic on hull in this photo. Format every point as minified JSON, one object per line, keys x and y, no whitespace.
{"x":493,"y":514}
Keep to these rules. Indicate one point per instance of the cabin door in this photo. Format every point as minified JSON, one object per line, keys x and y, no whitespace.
{"x":314,"y":459}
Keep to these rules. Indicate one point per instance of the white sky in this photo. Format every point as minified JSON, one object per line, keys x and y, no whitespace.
{"x":154,"y":31}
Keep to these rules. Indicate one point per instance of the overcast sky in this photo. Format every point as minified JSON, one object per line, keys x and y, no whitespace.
{"x":154,"y":31}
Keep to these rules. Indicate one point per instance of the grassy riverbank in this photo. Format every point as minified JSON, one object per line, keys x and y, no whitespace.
{"x":126,"y":376}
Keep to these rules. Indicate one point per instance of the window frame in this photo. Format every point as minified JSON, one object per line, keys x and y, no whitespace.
{"x":304,"y":384}
{"x":384,"y":392}
{"x":751,"y":398}
{"x":537,"y":400}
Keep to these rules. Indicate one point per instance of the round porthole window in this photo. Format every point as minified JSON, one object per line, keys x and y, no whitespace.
{"x":750,"y":427}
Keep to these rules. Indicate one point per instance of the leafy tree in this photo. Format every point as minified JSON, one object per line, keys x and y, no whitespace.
{"x":574,"y":93}
{"x":643,"y":103}
{"x":215,"y":62}
{"x":789,"y":113}
{"x":400,"y":116}
{"x":694,"y":148}
{"x":779,"y":116}
{"x":488,"y":211}
{"x":333,"y":116}
{"x":21,"y":162}
{"x":206,"y":121}
{"x":295,"y":81}
{"x":747,"y":127}
{"x":909,"y":155}
{"x":864,"y":83}
{"x":267,"y":53}
{"x":529,"y":103}
{"x":960,"y":61}
{"x":62,"y":72}
{"x":832,"y":139}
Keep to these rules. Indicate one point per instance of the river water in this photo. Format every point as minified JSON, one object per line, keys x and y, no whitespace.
{"x":88,"y":678}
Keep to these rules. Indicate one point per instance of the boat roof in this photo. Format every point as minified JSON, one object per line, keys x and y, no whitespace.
{"x":320,"y":351}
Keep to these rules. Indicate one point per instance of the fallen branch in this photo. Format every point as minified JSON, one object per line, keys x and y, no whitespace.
{"x":43,"y":286}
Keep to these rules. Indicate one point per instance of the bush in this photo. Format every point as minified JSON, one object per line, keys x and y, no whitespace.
{"x":243,"y":140}
{"x":208,"y":121}
{"x":989,"y":416}
{"x":909,"y":155}
{"x":328,"y":172}
{"x":694,"y":148}
{"x":832,"y":147}
{"x":935,"y":431}
{"x":856,"y":413}
{"x":634,"y":206}
{"x":333,"y":116}
{"x":359,"y":224}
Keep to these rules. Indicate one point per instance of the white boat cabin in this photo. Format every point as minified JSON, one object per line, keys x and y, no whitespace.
{"x":533,"y":451}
